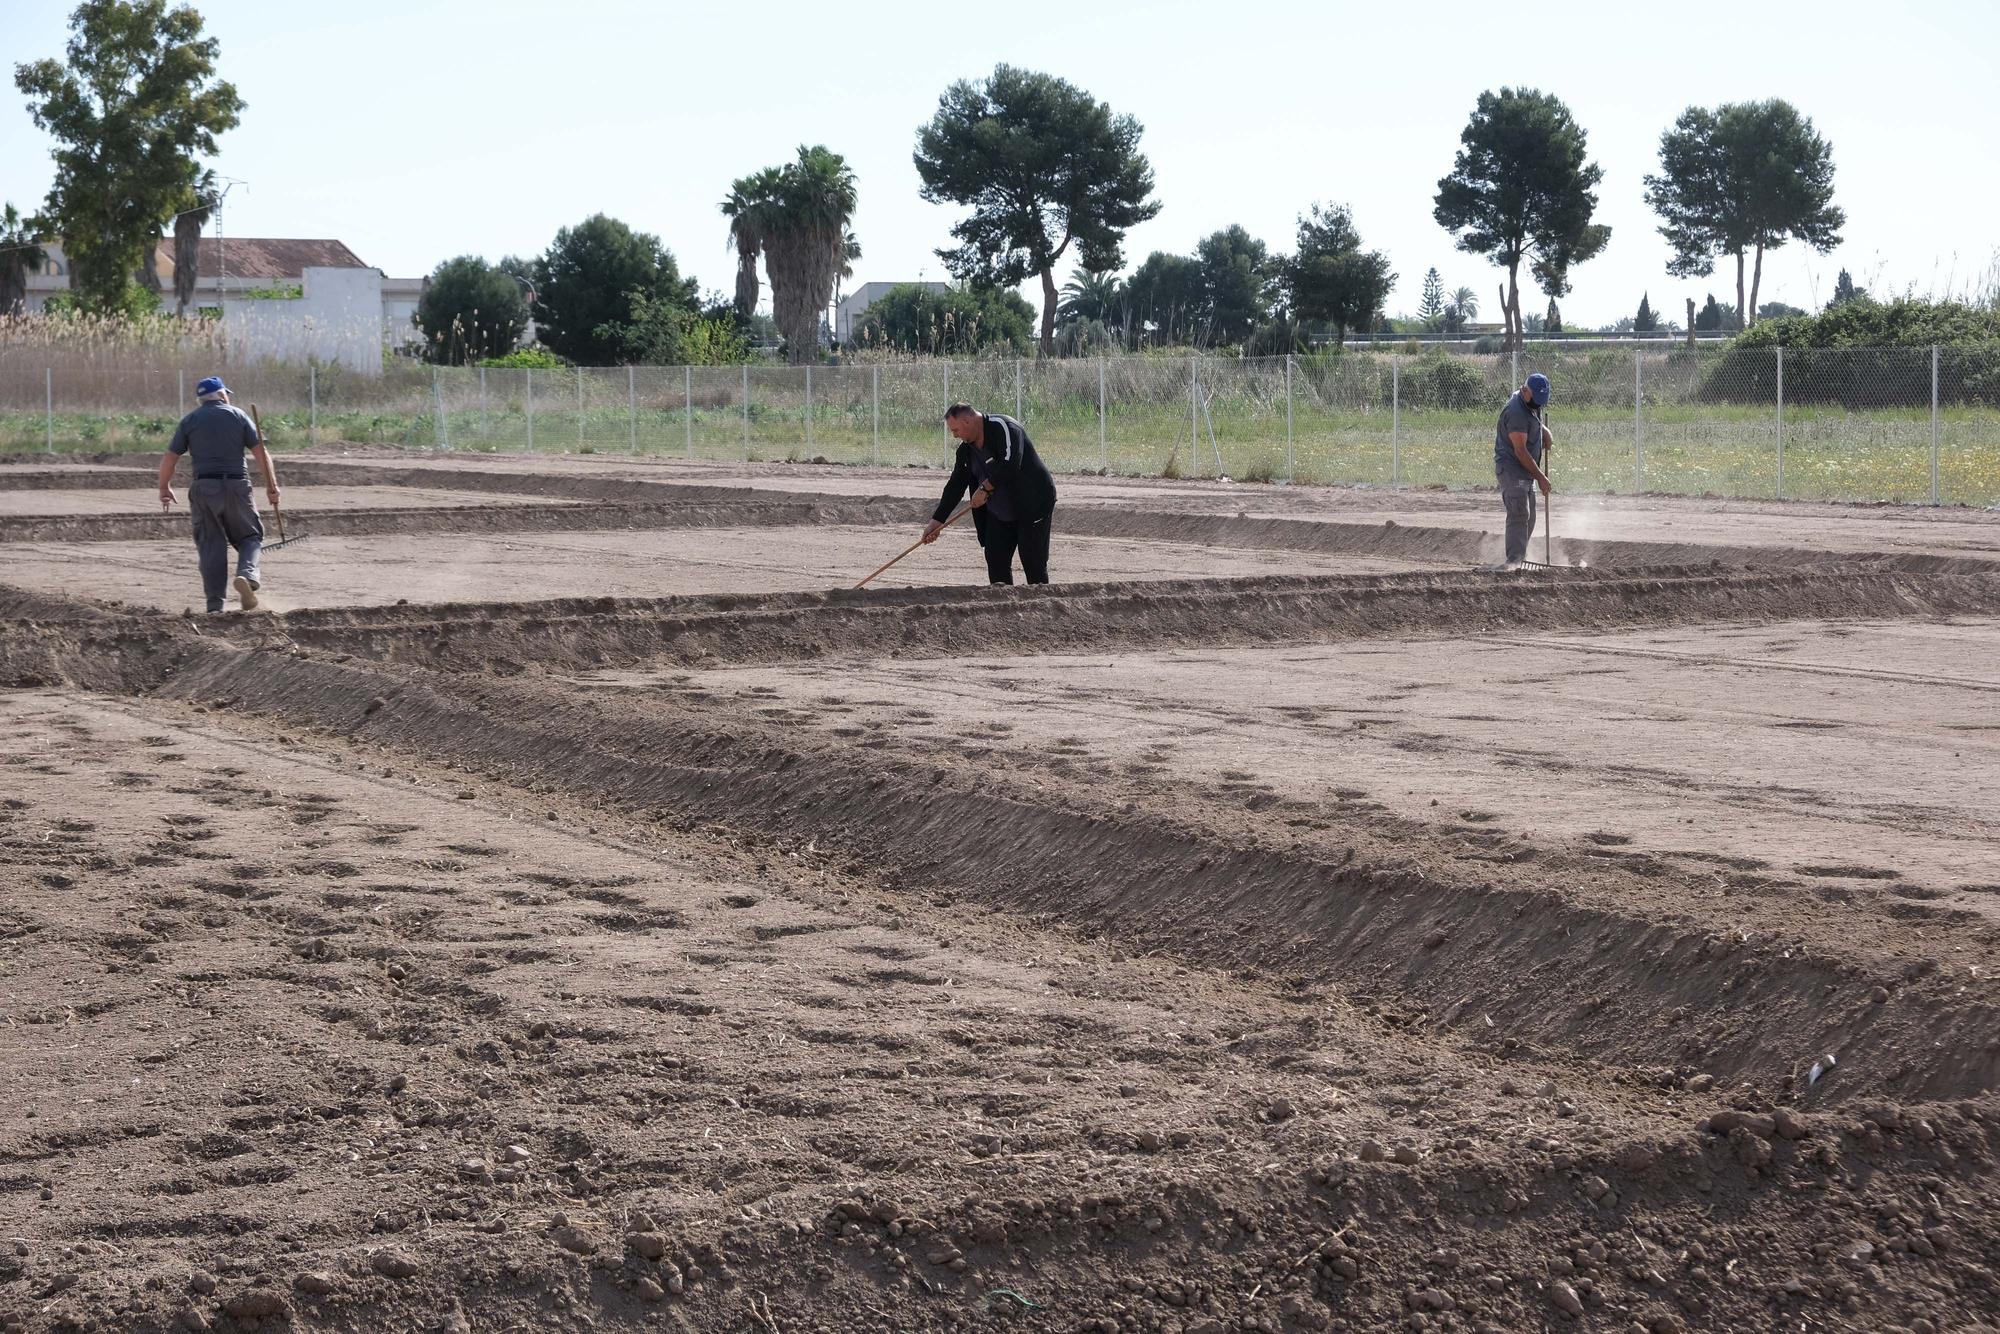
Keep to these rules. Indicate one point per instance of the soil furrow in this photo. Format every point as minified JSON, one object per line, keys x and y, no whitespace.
{"x":1564,"y":969}
{"x":579,"y":634}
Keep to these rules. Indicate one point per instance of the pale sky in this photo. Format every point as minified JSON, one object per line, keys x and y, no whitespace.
{"x":418,"y":131}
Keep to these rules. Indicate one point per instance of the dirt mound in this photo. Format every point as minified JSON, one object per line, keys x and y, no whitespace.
{"x":574,"y":634}
{"x":1416,"y":542}
{"x":734,"y":513}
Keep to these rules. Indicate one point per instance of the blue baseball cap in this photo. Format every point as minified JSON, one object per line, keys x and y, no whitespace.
{"x":214,"y":385}
{"x":1538,"y":389}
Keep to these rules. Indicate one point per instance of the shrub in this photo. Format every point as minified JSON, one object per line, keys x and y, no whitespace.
{"x":1865,"y":323}
{"x":526,"y":359}
{"x":1443,"y":383}
{"x":1861,"y":354}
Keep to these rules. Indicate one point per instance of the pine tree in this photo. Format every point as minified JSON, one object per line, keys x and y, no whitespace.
{"x":1553,"y":321}
{"x":1715,"y":317}
{"x":1646,"y":321}
{"x":1430,"y":308}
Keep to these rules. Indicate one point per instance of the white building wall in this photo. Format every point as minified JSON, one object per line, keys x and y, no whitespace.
{"x":338,"y":319}
{"x":856,"y":303}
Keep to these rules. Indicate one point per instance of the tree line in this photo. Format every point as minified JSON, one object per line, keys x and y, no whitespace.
{"x":1046,"y":179}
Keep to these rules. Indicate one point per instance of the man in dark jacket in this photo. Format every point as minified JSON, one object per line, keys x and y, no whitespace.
{"x":1013,"y":496}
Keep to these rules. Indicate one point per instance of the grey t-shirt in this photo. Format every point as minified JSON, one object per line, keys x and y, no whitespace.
{"x":218,"y":436}
{"x":1516,"y":416}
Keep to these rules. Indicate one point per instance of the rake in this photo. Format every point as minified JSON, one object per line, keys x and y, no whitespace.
{"x":963,"y":510}
{"x":276,"y":512}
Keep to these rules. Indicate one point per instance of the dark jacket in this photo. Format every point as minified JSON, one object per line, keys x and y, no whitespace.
{"x":1010,"y":460}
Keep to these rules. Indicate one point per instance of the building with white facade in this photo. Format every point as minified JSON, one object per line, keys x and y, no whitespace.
{"x":856,"y":303}
{"x":282,"y":300}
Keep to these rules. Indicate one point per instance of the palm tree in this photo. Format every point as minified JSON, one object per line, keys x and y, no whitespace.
{"x":746,"y":208}
{"x":187,"y":239}
{"x":1090,"y":294}
{"x":807,"y":243}
{"x":19,"y":256}
{"x":1461,"y":310}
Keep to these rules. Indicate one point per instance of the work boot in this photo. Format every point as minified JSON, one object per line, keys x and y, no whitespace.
{"x":246,"y":592}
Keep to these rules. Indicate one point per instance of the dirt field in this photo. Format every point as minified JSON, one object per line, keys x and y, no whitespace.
{"x":471,"y":567}
{"x":1717,"y":748}
{"x":570,"y":909}
{"x":303,"y":500}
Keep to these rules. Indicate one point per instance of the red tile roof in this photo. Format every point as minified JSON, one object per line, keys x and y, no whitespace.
{"x":260,"y":257}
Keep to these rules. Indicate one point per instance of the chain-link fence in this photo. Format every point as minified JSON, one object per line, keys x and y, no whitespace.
{"x":1870,"y":424}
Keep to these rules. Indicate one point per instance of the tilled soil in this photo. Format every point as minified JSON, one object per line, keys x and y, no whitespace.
{"x":831,"y":961}
{"x":1723,"y":760}
{"x":436,"y":570}
{"x":22,"y":503}
{"x":321,"y":1040}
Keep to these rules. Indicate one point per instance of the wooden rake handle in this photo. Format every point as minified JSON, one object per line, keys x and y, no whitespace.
{"x":257,"y":419}
{"x":963,"y":510}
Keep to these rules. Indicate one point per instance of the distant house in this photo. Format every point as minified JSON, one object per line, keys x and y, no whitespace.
{"x":281,"y":299}
{"x":856,"y":303}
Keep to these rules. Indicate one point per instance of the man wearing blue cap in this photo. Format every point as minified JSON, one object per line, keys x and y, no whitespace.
{"x":1517,"y":461}
{"x":217,"y":436}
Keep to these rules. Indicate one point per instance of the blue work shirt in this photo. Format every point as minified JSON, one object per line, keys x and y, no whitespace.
{"x":218,"y":436}
{"x":1525,"y":418}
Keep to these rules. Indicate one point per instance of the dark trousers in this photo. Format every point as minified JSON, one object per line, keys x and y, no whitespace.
{"x":1002,"y":540}
{"x":1518,"y":495}
{"x":224,"y":517}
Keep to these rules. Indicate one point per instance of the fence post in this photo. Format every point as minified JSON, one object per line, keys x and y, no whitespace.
{"x":1936,"y":499}
{"x":1103,"y":450}
{"x":485,"y":423}
{"x":1781,"y":423}
{"x":687,"y":408}
{"x":1638,"y":423}
{"x":875,"y":411}
{"x":182,"y":376}
{"x":632,"y":406}
{"x":1291,"y":467}
{"x":809,"y":408}
{"x":1017,"y":393}
{"x":528,"y":397}
{"x":1395,"y":425}
{"x":950,"y":450}
{"x":49,"y":407}
{"x":1514,"y":367}
{"x":746,"y":412}
{"x":579,"y":409}
{"x":1194,"y":411}
{"x":437,"y":405}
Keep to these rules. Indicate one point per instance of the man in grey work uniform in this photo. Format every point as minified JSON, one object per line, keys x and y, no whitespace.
{"x":217,"y":436}
{"x":1518,"y":447}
